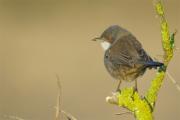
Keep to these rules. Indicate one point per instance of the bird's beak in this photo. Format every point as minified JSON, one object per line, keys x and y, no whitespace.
{"x":96,"y":39}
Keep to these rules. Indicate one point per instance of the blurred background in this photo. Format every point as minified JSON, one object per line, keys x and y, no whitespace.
{"x":42,"y":38}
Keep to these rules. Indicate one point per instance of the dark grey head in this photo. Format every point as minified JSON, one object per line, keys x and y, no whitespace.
{"x":113,"y":33}
{"x":110,"y":35}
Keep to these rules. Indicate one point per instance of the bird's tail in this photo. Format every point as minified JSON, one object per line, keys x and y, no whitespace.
{"x":153,"y":64}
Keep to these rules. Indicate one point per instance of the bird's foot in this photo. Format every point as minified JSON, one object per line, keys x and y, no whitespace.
{"x":118,"y":90}
{"x":135,"y":89}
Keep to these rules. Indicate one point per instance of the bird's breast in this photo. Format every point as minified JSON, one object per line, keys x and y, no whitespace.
{"x":122,"y":71}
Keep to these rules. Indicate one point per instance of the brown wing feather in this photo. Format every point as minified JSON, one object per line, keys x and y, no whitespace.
{"x":125,"y":50}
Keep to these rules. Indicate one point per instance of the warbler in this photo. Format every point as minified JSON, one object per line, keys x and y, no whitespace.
{"x":124,"y":58}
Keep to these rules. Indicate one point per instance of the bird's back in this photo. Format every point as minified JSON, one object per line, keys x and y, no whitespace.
{"x":125,"y":58}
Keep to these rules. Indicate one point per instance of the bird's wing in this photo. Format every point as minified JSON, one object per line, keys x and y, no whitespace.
{"x":127,"y":50}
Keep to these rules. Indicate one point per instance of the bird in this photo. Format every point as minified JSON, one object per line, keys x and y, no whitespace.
{"x":124,"y":57}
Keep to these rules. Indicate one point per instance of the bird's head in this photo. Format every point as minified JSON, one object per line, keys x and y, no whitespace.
{"x":110,"y":35}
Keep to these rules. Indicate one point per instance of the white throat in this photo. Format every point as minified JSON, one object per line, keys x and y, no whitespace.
{"x":105,"y":45}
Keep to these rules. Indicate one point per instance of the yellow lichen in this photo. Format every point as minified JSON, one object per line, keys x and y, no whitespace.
{"x":159,"y":8}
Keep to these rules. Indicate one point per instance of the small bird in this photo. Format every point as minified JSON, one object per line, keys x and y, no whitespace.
{"x":124,"y":58}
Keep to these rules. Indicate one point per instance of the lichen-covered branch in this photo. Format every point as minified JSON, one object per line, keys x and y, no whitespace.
{"x":168,"y":47}
{"x":142,"y":107}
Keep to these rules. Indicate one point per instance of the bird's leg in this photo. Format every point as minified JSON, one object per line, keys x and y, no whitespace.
{"x":136,"y":86}
{"x":118,"y":87}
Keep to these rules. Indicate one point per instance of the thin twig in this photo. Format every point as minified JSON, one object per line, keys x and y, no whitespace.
{"x":11,"y":117}
{"x":68,"y":116}
{"x":123,"y":113}
{"x":58,"y":114}
{"x":59,"y":111}
{"x":173,"y":81}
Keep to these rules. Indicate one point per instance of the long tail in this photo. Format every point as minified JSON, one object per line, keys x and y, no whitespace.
{"x":153,"y":64}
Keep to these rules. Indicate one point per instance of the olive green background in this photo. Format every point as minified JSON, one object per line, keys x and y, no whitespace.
{"x":42,"y":38}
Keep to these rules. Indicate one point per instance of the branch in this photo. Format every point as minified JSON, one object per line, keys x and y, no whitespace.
{"x":58,"y":115}
{"x":59,"y":111}
{"x":11,"y":117}
{"x":142,"y":107}
{"x":68,"y":115}
{"x":168,"y":47}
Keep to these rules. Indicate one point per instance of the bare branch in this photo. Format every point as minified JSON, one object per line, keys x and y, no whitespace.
{"x":173,"y":81}
{"x":123,"y":113}
{"x":58,"y":115}
{"x":11,"y":117}
{"x":68,"y":116}
{"x":59,"y":111}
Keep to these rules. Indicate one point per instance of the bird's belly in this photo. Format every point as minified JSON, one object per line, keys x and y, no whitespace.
{"x":124,"y":72}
